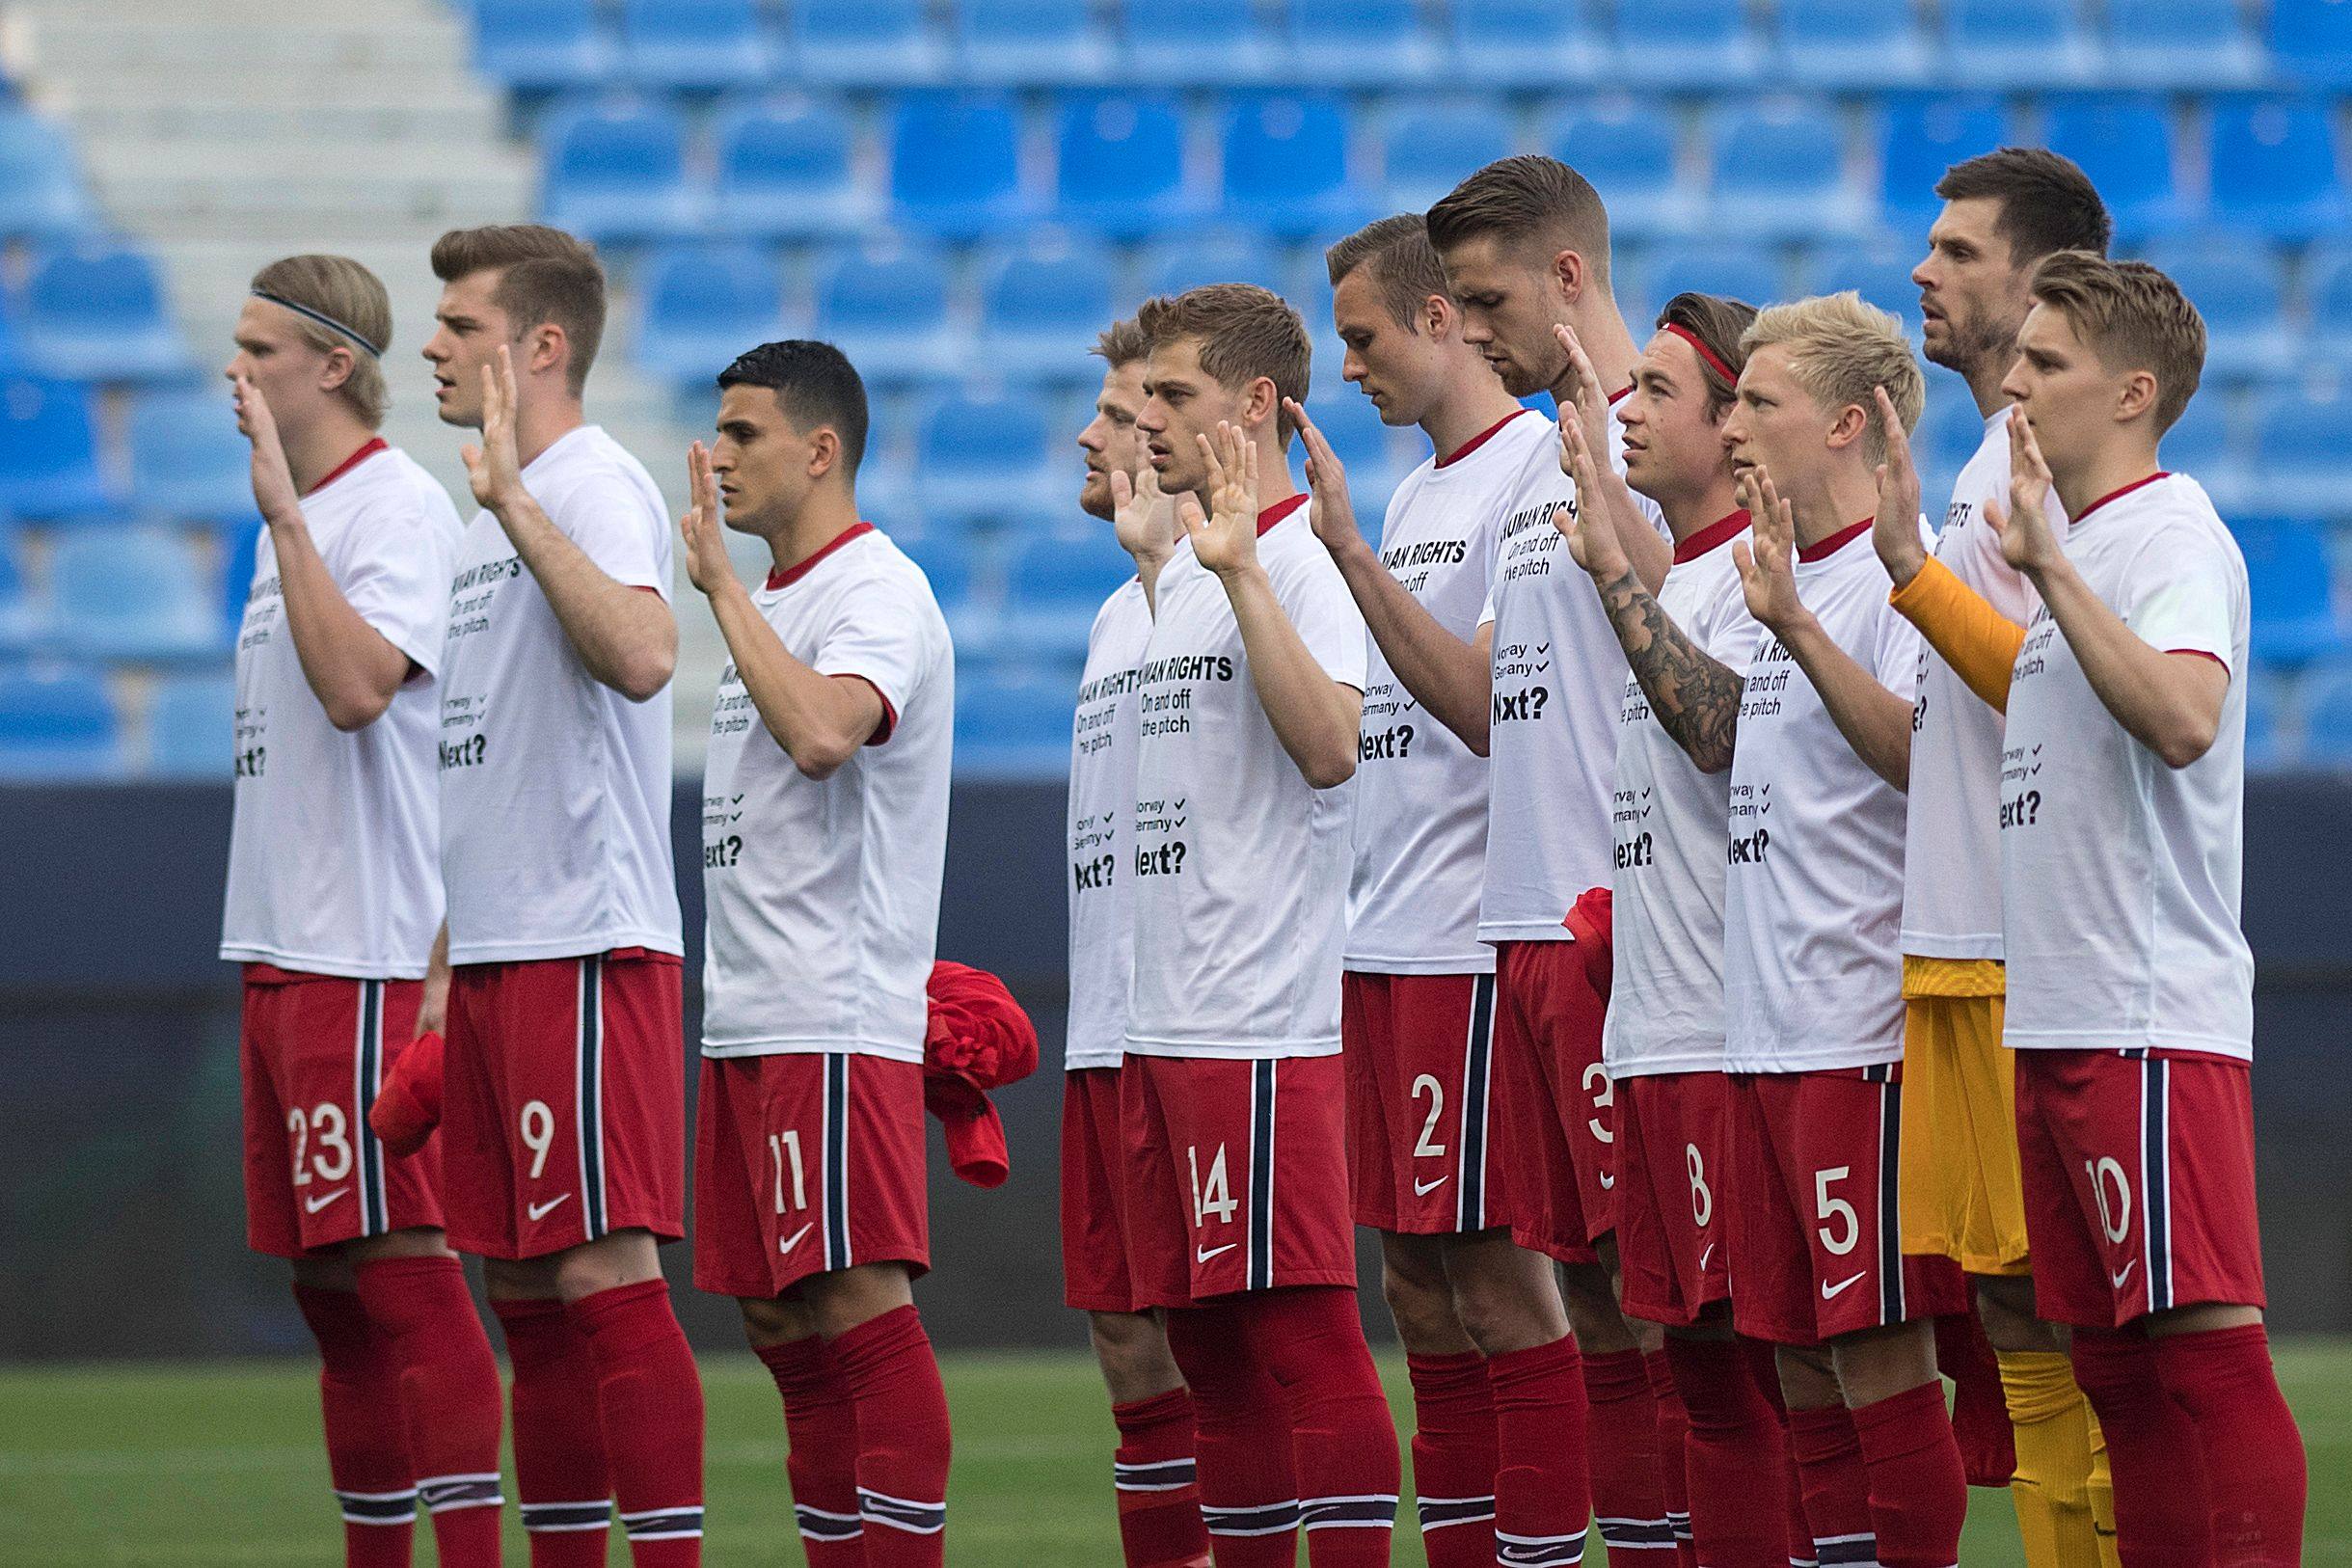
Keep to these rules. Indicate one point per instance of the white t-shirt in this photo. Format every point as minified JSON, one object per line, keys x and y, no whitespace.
{"x":334,"y":851}
{"x":1102,"y":830}
{"x":824,"y":894}
{"x":1667,"y":902}
{"x":1812,"y":966}
{"x":1421,"y":793}
{"x":1952,"y":892}
{"x":2122,"y":873}
{"x":554,"y":788}
{"x":1558,"y":681}
{"x":1241,"y":866}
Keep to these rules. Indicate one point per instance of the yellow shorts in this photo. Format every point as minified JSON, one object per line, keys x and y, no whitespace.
{"x":1960,"y":1197}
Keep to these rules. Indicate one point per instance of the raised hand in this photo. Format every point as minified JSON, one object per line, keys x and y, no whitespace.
{"x":1895,"y":530}
{"x":2028,"y":542}
{"x":1143,"y":514}
{"x":1591,"y":540}
{"x":1768,"y":574}
{"x":493,"y":468}
{"x":1588,"y":401}
{"x":707,"y":565}
{"x":1333,"y":515}
{"x":1226,"y":539}
{"x":274,"y":491}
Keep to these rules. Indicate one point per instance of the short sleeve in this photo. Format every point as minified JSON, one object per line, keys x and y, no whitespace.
{"x":394,"y":572}
{"x":878,"y":631}
{"x":1899,"y":646}
{"x":617,"y":526}
{"x":2177,"y":595}
{"x":1486,"y":612}
{"x":1315,"y":597}
{"x":1723,"y":629}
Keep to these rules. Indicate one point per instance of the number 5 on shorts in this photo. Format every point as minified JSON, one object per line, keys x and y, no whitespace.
{"x":1827,"y":1207}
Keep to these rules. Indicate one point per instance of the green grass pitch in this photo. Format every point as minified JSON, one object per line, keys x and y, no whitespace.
{"x":190,"y":1465}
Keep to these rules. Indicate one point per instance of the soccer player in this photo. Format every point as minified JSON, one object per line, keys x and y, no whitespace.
{"x":1152,"y":1472}
{"x":1525,"y":244}
{"x":1811,"y":967}
{"x":2130,"y":984}
{"x":1248,"y":701}
{"x":824,"y":839}
{"x":563,"y":1109}
{"x":2002,"y":213}
{"x":334,"y":898}
{"x":1418,"y":999}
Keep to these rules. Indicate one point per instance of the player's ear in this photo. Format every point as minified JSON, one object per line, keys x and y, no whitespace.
{"x":1851,"y":421}
{"x":1260,"y":403}
{"x":1568,"y":275}
{"x":1437,"y":318}
{"x":337,"y":370}
{"x":2137,"y":397}
{"x":824,"y":451}
{"x":546,"y":349}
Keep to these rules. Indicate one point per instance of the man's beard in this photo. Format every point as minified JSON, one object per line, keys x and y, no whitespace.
{"x":1968,"y":351}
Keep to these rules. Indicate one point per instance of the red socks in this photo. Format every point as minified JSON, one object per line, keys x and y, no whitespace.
{"x":1734,"y":1439}
{"x":1309,"y":1338}
{"x":1918,"y":1492}
{"x":1541,"y":1495}
{"x":1836,"y":1485}
{"x":1454,"y":1459}
{"x":1249,"y":1491}
{"x":903,"y":1444}
{"x":560,"y":1473}
{"x":820,"y":1425}
{"x":1673,"y":1449}
{"x":449,"y":1397}
{"x":367,"y":1443}
{"x":2253,"y":1453}
{"x":650,"y":1397}
{"x":1980,"y":1409}
{"x":1628,"y":1505}
{"x":1155,"y":1477}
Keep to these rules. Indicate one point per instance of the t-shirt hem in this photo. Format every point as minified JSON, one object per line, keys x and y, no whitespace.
{"x":314,"y":963}
{"x":1091,"y":1062}
{"x":1921,"y":944}
{"x":1478,"y":961}
{"x":2110,"y":1040}
{"x":1246,"y":1051}
{"x":823,"y":1045}
{"x":1524,"y":931}
{"x":1654,"y":1066}
{"x":563,"y":947}
{"x":1843,"y":1060}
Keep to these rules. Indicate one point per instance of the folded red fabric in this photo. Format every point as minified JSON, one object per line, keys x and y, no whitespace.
{"x":978,"y":1039}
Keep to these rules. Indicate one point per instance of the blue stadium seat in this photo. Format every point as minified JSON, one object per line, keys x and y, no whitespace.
{"x":1173,"y":269}
{"x":692,"y":46}
{"x":2275,"y":169}
{"x":2311,"y":42}
{"x":130,"y":593}
{"x":236,"y":583}
{"x":2327,"y":717}
{"x":1032,"y":43}
{"x":12,"y":344}
{"x":1879,"y":271}
{"x":1779,"y":172}
{"x":1729,"y":267}
{"x":1011,"y":725}
{"x":955,"y":166}
{"x":1366,"y":449}
{"x":701,"y":306}
{"x":48,"y":451}
{"x":884,"y":43}
{"x":1360,"y":44}
{"x":18,"y":621}
{"x":1120,"y":165}
{"x":1873,"y":45}
{"x":1287,"y":166}
{"x":2268,"y":745}
{"x":56,"y":725}
{"x":2194,"y":45}
{"x":1626,"y":147}
{"x":2235,"y":288}
{"x":1684,"y":43}
{"x":786,"y":174}
{"x":2019,"y":43}
{"x":2290,"y":574}
{"x":187,"y":460}
{"x":191,"y":724}
{"x":1058,"y":581}
{"x":1200,"y":43}
{"x":1949,"y":433}
{"x":618,"y":173}
{"x":1923,"y":138}
{"x":2126,"y":145}
{"x":2327,"y":290}
{"x":888,"y":312}
{"x":541,"y":46}
{"x":41,"y":189}
{"x":100,"y":315}
{"x":2202,"y":445}
{"x":2303,"y":449}
{"x":1430,"y":147}
{"x":1041,"y":305}
{"x":946,"y":562}
{"x":1544,"y":45}
{"x":982,"y":460}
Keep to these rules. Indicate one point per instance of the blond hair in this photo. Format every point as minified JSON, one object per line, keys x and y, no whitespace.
{"x":1841,"y":349}
{"x":2133,"y":317}
{"x":352,"y":298}
{"x":1244,"y":332}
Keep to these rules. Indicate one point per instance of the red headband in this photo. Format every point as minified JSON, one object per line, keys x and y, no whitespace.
{"x":1705,"y":353}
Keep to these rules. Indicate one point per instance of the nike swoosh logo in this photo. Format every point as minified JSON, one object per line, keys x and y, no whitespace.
{"x":1829,"y":1292}
{"x":1201,"y":1254}
{"x":793,"y":1240}
{"x":2118,"y":1280}
{"x":1709,"y":1253}
{"x":1609,"y":1180}
{"x":312,"y":1205}
{"x":540,"y":1211}
{"x":1422,"y":1189}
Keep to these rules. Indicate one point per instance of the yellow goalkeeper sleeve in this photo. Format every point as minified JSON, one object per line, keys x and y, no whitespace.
{"x":1976,"y":640}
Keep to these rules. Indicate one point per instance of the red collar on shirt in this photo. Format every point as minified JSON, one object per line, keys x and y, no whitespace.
{"x":1479,"y":440}
{"x":1278,"y":511}
{"x":1618,"y":396}
{"x":1710,"y":537}
{"x":2119,"y":495}
{"x":1836,"y":542}
{"x":376,"y":444}
{"x":791,"y":575}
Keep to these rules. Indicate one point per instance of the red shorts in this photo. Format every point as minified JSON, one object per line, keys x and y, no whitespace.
{"x":1813,"y":1229}
{"x":313,"y":1050}
{"x":806,"y":1162}
{"x":1094,"y":1275}
{"x":1236,"y":1176}
{"x":563,"y":1104}
{"x":2139,"y":1183}
{"x":1419,"y":1051}
{"x":1670,"y":1170}
{"x":1557,"y":1105}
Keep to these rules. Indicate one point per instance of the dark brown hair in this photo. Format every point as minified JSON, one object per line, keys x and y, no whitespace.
{"x":1401,"y":262}
{"x":545,"y":276}
{"x":1122,"y":343}
{"x":1523,"y":198}
{"x":1244,"y":332}
{"x":2047,"y":203}
{"x":1718,"y":323}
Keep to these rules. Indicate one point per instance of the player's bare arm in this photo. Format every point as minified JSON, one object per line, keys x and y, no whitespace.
{"x":1315,"y":717}
{"x":1875,"y":721}
{"x":1145,"y":517}
{"x":2169,"y":702}
{"x":1696,"y":697}
{"x":1644,"y":546}
{"x":1452,"y":678}
{"x":627,"y":637}
{"x":352,"y":669}
{"x":820,"y":720}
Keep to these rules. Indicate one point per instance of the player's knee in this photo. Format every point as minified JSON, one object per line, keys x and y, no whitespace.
{"x":1879,"y":1364}
{"x":525,"y":1279}
{"x":418,"y":1242}
{"x":1505,"y":1299}
{"x":843,"y":1298}
{"x":607,"y":1263}
{"x":2005,"y":1306}
{"x":1807,"y":1379}
{"x":1132,"y":1351}
{"x":775,"y":1321}
{"x":1591,"y":1300}
{"x":1419,"y":1297}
